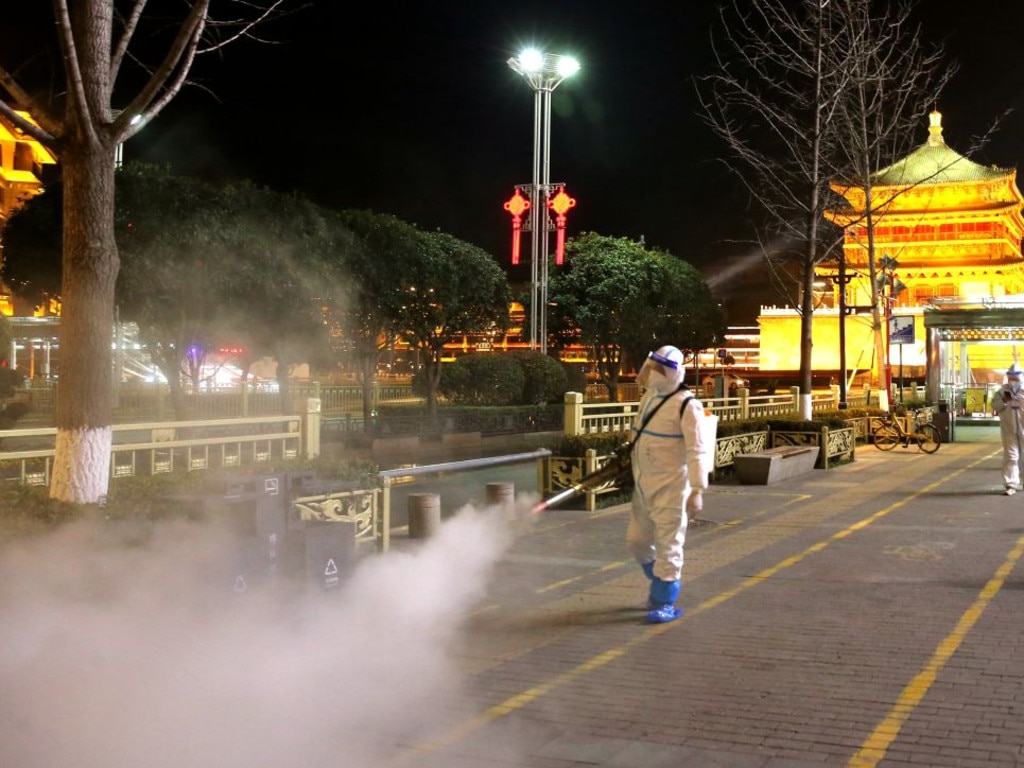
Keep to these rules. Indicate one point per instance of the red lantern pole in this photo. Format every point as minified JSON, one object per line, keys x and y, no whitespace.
{"x":560,"y":204}
{"x":516,"y":205}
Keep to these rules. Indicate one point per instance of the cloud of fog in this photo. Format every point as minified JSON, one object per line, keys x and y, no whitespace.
{"x":736,"y":268}
{"x":120,"y":651}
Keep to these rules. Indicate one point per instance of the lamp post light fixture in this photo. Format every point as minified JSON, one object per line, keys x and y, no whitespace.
{"x":889,"y":288}
{"x":544,"y":72}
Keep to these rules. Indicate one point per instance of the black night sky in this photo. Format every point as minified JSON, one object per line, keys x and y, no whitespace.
{"x":410,"y":108}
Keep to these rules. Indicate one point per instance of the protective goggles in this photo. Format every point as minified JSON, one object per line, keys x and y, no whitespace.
{"x":661,"y":359}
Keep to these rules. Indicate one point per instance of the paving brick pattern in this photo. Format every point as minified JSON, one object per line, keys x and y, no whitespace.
{"x":871,"y":614}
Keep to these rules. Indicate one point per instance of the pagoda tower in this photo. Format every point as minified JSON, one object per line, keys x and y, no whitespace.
{"x":947,"y":232}
{"x":953,"y":226}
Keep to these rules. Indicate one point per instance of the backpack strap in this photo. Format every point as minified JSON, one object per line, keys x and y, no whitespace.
{"x":686,"y":402}
{"x":654,"y":410}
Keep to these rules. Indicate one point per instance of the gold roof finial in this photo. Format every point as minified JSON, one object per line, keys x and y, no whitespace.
{"x":935,"y":129}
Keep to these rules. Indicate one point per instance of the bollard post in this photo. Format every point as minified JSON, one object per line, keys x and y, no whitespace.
{"x":424,"y":515}
{"x":501,"y":494}
{"x":311,"y":428}
{"x":573,"y":413}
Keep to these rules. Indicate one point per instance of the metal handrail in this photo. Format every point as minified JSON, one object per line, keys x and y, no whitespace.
{"x":389,"y":475}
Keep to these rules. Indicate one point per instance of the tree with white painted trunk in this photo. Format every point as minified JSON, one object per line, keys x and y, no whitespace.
{"x":101,"y":48}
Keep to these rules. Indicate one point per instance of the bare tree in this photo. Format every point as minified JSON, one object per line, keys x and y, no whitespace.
{"x":98,"y":42}
{"x":809,"y":92}
{"x":894,"y":76}
{"x":773,"y":98}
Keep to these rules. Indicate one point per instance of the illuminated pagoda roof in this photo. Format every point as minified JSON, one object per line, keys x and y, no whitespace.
{"x":935,"y":163}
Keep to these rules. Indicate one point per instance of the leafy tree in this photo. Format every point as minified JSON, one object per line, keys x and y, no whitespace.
{"x":94,"y":43}
{"x":621,"y":300}
{"x":366,"y":288}
{"x":171,"y":282}
{"x":274,"y":251}
{"x":679,"y":311}
{"x":201,"y":267}
{"x":449,"y":288}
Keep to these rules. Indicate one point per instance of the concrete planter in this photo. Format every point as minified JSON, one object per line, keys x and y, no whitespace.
{"x":835,"y":443}
{"x":726,"y":448}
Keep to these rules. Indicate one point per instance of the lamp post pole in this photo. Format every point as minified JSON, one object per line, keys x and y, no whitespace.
{"x":544,"y":72}
{"x":890,"y":288}
{"x":842,"y":332}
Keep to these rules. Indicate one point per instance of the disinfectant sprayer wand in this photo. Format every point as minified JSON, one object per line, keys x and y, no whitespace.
{"x":618,"y":469}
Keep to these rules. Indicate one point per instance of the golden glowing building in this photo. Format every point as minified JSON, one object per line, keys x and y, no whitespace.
{"x":22,"y":164}
{"x":949,"y":231}
{"x":22,"y":160}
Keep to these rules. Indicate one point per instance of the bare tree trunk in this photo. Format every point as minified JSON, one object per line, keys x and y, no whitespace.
{"x":168,"y":361}
{"x":80,"y":466}
{"x":84,"y":411}
{"x":432,"y":372}
{"x":80,"y":126}
{"x":367,"y":374}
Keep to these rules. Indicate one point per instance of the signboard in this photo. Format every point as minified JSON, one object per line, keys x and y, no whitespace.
{"x":901,"y":330}
{"x":722,"y":353}
{"x":976,"y":401}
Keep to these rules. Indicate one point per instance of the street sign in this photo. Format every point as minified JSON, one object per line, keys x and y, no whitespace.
{"x":901,"y":330}
{"x":722,"y":354}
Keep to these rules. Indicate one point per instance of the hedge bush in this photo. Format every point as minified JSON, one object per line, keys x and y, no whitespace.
{"x":546,"y":379}
{"x":483,"y":379}
{"x":494,"y":379}
{"x":578,"y":445}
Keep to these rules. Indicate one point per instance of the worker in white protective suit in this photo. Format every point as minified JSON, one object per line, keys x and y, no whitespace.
{"x":670,"y":472}
{"x":1008,"y":404}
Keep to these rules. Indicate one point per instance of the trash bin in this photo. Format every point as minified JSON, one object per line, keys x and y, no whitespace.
{"x":945,"y":422}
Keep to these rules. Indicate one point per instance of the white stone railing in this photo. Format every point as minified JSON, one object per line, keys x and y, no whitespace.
{"x":26,"y":455}
{"x":594,"y":418}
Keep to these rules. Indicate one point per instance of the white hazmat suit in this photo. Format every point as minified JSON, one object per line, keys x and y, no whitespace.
{"x":1008,"y":404}
{"x":670,"y":463}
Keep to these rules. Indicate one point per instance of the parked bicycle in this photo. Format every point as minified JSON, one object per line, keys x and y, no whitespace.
{"x":892,"y":431}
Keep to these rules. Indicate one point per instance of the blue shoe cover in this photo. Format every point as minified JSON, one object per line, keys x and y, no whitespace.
{"x":664,"y":614}
{"x":648,"y":569}
{"x":664,"y":592}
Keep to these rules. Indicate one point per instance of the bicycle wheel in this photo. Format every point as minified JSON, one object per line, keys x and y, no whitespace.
{"x":886,"y":436}
{"x":928,"y":439}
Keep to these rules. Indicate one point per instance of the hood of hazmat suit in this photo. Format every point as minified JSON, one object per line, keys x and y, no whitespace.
{"x":663,"y":370}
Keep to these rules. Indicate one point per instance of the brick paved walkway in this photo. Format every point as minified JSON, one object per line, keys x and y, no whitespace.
{"x":870,"y":615}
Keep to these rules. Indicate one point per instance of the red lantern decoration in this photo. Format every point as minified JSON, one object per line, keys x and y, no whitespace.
{"x":560,"y":204}
{"x":516,"y":205}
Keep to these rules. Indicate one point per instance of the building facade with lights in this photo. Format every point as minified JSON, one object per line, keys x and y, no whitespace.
{"x":24,"y":167}
{"x":947,"y":244}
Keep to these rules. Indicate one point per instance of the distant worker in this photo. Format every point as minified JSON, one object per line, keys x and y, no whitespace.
{"x":1008,"y":404}
{"x":670,"y":472}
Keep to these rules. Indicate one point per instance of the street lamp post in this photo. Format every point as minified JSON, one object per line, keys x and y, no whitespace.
{"x":890,"y":288}
{"x":544,"y":72}
{"x":843,"y":280}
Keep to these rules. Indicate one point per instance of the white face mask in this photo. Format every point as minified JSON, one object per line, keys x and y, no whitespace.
{"x":655,"y":379}
{"x":1013,"y":382}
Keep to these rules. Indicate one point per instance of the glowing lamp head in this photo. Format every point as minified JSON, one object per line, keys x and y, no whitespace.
{"x":531,"y":60}
{"x":567,"y":66}
{"x":543,"y":70}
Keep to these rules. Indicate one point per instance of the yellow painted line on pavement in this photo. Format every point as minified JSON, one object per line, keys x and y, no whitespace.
{"x":876,"y":746}
{"x":520,"y":700}
{"x":566,"y":582}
